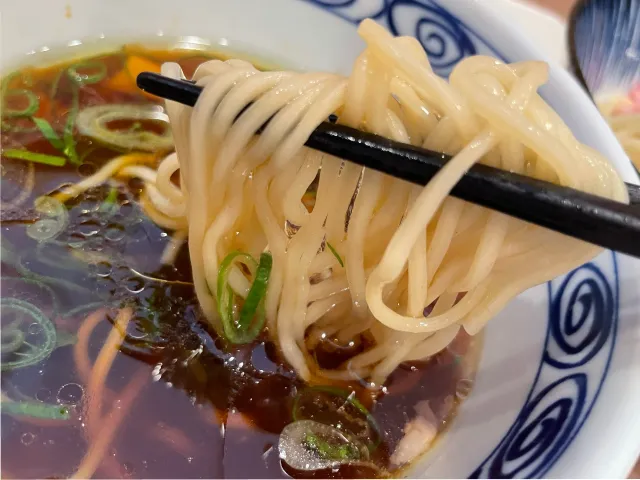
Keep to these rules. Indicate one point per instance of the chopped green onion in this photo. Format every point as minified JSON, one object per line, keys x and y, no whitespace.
{"x":110,"y":203}
{"x":35,"y":410}
{"x":4,"y":84}
{"x":136,"y":127}
{"x":254,"y":303}
{"x":324,"y":449}
{"x":12,"y":340}
{"x":51,"y":160}
{"x":31,"y":108}
{"x":55,"y":84}
{"x":49,"y":133}
{"x":307,"y":445}
{"x":252,"y":314}
{"x":87,"y":78}
{"x":94,"y":122}
{"x":349,"y":397}
{"x":69,"y":148}
{"x":224,"y":292}
{"x":335,"y":254}
{"x":46,"y":229}
{"x":28,"y":314}
{"x":113,"y":196}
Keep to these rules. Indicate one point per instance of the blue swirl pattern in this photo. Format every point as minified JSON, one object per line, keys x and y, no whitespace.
{"x":583,"y":305}
{"x":445,"y":38}
{"x":581,"y":335}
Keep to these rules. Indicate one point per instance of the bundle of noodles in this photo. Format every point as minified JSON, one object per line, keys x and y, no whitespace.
{"x":403,"y":266}
{"x":623,"y":114}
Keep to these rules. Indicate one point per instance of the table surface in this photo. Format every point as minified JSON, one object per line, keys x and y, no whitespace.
{"x":562,"y":8}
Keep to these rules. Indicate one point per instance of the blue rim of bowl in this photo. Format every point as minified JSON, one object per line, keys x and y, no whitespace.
{"x":574,"y":61}
{"x":563,"y":392}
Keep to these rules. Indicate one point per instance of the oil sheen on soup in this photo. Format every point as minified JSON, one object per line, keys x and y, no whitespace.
{"x":174,"y":400}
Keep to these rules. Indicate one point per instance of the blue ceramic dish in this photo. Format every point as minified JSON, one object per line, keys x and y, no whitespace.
{"x":604,"y":36}
{"x":557,"y":389}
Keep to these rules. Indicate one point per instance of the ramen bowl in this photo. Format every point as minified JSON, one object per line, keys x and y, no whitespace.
{"x":556,"y":391}
{"x":605,"y":45}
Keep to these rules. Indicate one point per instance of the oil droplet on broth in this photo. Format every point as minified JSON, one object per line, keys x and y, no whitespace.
{"x":35,"y":328}
{"x":134,"y":329}
{"x":27,"y":438}
{"x":103,"y":269}
{"x":114,"y":232}
{"x":463,"y":388}
{"x":44,"y":394}
{"x":126,"y":208}
{"x":76,"y":240}
{"x":70,"y":394}
{"x":128,"y":469}
{"x":134,"y":284}
{"x":86,"y":169}
{"x":88,"y":228}
{"x":106,"y":283}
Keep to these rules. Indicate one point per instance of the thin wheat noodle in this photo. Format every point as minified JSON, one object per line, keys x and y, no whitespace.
{"x":110,"y":425}
{"x":81,"y":348}
{"x":102,"y":365}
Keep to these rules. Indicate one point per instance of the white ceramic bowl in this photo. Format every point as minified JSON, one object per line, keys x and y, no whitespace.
{"x":558,"y":388}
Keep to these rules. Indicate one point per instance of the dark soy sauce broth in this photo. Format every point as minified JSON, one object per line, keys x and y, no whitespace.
{"x":206,"y":409}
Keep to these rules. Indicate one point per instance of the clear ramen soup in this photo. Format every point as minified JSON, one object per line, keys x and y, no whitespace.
{"x":166,"y":397}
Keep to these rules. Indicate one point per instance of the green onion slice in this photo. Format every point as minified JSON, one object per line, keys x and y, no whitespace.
{"x":335,"y":254}
{"x":18,"y":154}
{"x":307,"y":446}
{"x":330,"y":451}
{"x":320,"y":403}
{"x":33,"y":103}
{"x":27,"y":353}
{"x":87,"y":73}
{"x":47,"y":229}
{"x":250,"y":321}
{"x":95,"y":122}
{"x":35,"y":410}
{"x":69,"y":147}
{"x":110,"y":205}
{"x":49,"y":133}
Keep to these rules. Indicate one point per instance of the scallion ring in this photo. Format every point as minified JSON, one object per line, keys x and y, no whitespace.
{"x":94,"y":122}
{"x":75,"y":73}
{"x":33,"y":103}
{"x":250,"y":321}
{"x":27,"y":314}
{"x":35,"y":410}
{"x":48,"y":228}
{"x":349,"y":397}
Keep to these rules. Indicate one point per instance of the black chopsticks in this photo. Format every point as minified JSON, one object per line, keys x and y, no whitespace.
{"x":594,"y":219}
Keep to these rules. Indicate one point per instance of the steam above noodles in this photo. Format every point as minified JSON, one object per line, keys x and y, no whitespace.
{"x":374,"y":262}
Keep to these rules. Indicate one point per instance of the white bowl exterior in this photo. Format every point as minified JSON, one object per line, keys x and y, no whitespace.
{"x":302,"y":35}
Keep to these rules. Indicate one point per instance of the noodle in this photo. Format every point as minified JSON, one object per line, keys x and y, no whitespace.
{"x":110,"y":426}
{"x":623,"y":114}
{"x":627,"y":129}
{"x":418,"y":265}
{"x":80,"y":350}
{"x":96,"y":384}
{"x":101,"y":430}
